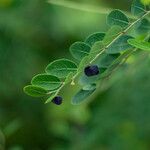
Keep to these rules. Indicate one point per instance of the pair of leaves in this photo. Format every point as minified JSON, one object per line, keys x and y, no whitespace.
{"x":79,"y":50}
{"x":117,"y":17}
{"x":42,"y":84}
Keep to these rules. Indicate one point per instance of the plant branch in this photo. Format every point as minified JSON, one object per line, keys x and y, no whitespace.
{"x":119,"y":35}
{"x":103,"y":50}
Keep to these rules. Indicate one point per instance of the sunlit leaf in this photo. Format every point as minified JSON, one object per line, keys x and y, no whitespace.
{"x":92,"y":39}
{"x":79,"y":50}
{"x":117,"y":17}
{"x":140,"y":44}
{"x":48,"y":82}
{"x":35,"y":91}
{"x":61,"y":68}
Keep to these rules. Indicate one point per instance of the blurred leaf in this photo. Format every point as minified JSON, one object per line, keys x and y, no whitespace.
{"x":140,"y":44}
{"x":47,"y":82}
{"x":92,"y":39}
{"x":81,"y":96}
{"x":117,"y":17}
{"x":89,"y":87}
{"x":61,"y":68}
{"x":79,"y":50}
{"x":137,"y":8}
{"x":145,"y":2}
{"x":143,"y":26}
{"x":35,"y":91}
{"x":105,"y":60}
{"x":113,"y":32}
{"x":119,"y":45}
{"x":115,"y":63}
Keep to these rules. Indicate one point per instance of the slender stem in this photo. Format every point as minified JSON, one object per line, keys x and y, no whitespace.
{"x":119,"y":35}
{"x":84,"y":7}
{"x":103,"y":50}
{"x":116,"y":38}
{"x":79,"y":6}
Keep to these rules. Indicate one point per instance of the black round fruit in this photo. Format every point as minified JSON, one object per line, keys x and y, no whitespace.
{"x":57,"y":100}
{"x":91,"y":70}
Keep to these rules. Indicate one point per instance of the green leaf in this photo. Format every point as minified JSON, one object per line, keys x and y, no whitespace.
{"x":143,"y":26}
{"x":69,"y":77}
{"x":140,"y":44}
{"x":51,"y":97}
{"x":92,"y":39}
{"x":89,"y":87}
{"x":119,"y":45}
{"x":61,"y":68}
{"x":105,"y":60}
{"x":117,"y":17}
{"x":137,"y":8}
{"x":47,"y":82}
{"x":81,"y":96}
{"x":96,"y":48}
{"x":34,"y":91}
{"x":111,"y":34}
{"x":79,"y":50}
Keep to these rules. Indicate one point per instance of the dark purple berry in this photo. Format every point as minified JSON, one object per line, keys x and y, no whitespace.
{"x":57,"y":100}
{"x":91,"y":70}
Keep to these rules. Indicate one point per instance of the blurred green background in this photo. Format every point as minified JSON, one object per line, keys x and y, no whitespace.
{"x":34,"y":33}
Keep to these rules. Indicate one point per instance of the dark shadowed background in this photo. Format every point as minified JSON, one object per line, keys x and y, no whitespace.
{"x":34,"y":33}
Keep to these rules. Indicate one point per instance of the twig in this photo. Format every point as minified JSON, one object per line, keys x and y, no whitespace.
{"x":84,"y":7}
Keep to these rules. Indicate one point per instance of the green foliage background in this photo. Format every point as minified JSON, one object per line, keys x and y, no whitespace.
{"x":32,"y":34}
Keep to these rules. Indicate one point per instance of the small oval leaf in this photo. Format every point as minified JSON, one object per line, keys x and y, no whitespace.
{"x":137,"y":8}
{"x":79,"y":50}
{"x":35,"y":91}
{"x":117,"y":17}
{"x":140,"y":44}
{"x":47,"y":82}
{"x":61,"y":68}
{"x":81,"y":96}
{"x":92,"y":39}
